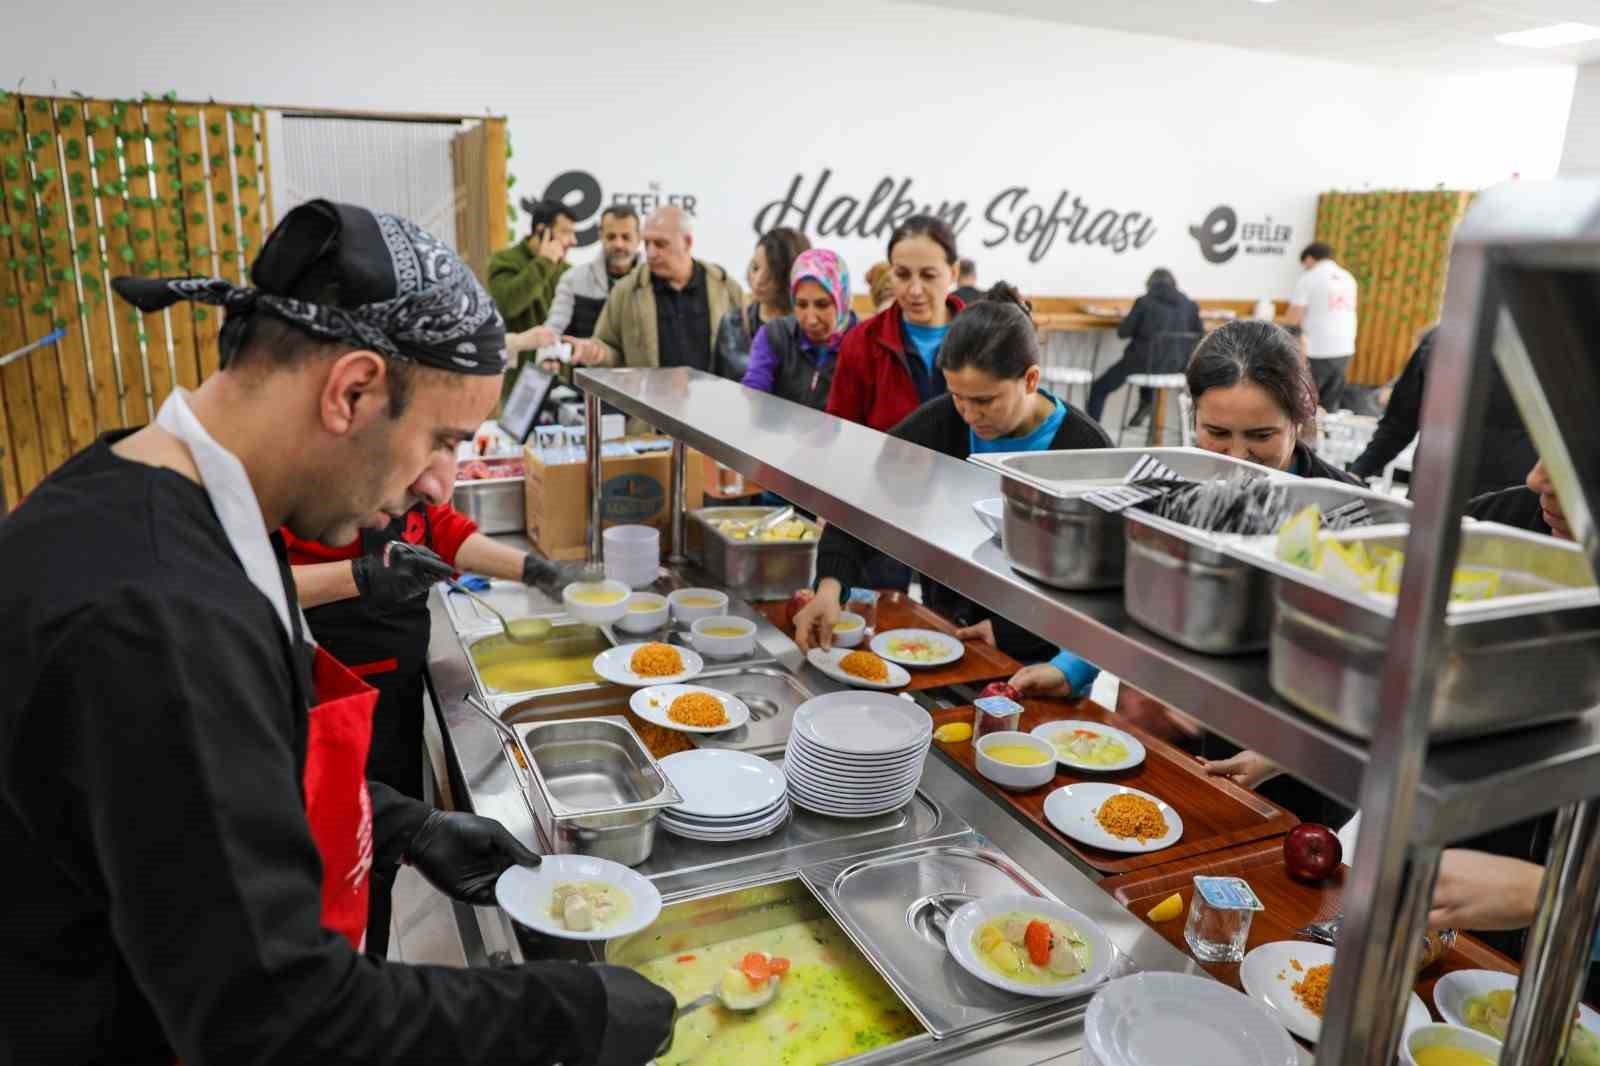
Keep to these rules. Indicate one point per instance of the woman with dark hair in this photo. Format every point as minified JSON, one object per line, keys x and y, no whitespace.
{"x":887,"y":363}
{"x":768,"y":276}
{"x":991,"y":401}
{"x":1154,"y":328}
{"x":1254,"y":399}
{"x":794,"y":356}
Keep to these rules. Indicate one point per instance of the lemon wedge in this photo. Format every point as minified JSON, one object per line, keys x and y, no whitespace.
{"x":1167,"y":909}
{"x":953,"y":732}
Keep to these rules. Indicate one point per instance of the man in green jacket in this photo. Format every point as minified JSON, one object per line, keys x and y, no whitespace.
{"x":522,"y":278}
{"x":664,"y":313}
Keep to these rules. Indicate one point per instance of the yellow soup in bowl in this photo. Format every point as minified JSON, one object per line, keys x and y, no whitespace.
{"x":698,"y":601}
{"x":1016,"y":754}
{"x":595,"y":595}
{"x":725,"y":631}
{"x":645,"y":606}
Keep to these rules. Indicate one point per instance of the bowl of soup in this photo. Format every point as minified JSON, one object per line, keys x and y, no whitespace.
{"x":723,"y":636}
{"x":1017,"y":761}
{"x":1448,"y":1045}
{"x":646,"y":613}
{"x":849,"y":630}
{"x":596,"y":602}
{"x":691,"y":605}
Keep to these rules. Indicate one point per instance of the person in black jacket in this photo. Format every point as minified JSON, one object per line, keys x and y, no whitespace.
{"x":1162,"y":328}
{"x":990,"y":363}
{"x":1507,"y":452}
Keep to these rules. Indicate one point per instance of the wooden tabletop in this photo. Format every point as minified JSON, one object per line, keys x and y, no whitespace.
{"x":982,"y":662}
{"x":1290,"y":904}
{"x":1216,"y":813}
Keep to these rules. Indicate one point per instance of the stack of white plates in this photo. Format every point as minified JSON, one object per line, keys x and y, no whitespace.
{"x":856,"y":754}
{"x":727,"y":795}
{"x":633,"y":555}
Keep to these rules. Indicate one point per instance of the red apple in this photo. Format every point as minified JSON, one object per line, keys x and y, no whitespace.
{"x":1312,"y":852}
{"x":1000,"y":688}
{"x":797,"y":601}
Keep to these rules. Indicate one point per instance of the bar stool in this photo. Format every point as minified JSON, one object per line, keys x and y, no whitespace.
{"x":1162,"y":384}
{"x":1067,"y":378}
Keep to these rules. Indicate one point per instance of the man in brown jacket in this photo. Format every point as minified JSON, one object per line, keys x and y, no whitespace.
{"x":664,"y":313}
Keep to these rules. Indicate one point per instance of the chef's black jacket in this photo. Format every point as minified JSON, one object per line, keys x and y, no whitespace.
{"x":160,"y":895}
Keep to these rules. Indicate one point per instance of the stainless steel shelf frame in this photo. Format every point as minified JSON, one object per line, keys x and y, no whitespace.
{"x":1525,"y":267}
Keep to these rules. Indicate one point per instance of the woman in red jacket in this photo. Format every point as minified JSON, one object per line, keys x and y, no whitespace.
{"x":886,"y":364}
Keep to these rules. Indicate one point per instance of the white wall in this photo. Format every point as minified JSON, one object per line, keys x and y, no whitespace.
{"x":727,"y":102}
{"x":1581,"y":154}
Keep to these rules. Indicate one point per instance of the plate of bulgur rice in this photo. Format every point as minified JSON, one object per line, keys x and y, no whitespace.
{"x":1291,"y":977}
{"x":1113,"y":817}
{"x":862,"y":669}
{"x":689,"y":708}
{"x":643,"y":665}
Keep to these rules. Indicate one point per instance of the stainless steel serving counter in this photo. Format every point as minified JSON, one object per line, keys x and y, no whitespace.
{"x":482,"y":781}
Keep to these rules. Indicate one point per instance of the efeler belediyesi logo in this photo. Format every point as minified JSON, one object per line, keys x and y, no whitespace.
{"x":580,"y":191}
{"x":1216,"y":232}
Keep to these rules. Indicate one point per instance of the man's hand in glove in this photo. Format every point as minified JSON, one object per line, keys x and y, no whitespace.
{"x":551,"y":577}
{"x":462,"y":855}
{"x":402,"y":572}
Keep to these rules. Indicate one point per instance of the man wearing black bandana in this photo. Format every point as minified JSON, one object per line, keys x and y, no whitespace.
{"x":185,"y":828}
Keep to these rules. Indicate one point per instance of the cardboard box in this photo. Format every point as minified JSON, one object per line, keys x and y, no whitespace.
{"x":634,"y":492}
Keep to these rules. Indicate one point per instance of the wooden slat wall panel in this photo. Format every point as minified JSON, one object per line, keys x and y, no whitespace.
{"x":74,"y":130}
{"x":140,"y":162}
{"x":247,"y":179}
{"x":16,"y":184}
{"x":105,"y":120}
{"x":219,"y":190}
{"x":194,"y":223}
{"x":495,"y":189}
{"x":23,"y":463}
{"x":161,"y":125}
{"x":53,"y":207}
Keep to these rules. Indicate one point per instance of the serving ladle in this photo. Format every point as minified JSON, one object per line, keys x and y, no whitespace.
{"x":517,"y":631}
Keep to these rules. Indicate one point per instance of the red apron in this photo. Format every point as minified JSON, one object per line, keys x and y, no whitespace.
{"x":335,"y":782}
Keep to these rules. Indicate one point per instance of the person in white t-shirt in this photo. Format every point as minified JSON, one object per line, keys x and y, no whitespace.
{"x":1324,"y":307}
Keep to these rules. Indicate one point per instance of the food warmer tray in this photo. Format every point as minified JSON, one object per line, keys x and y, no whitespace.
{"x":1505,"y":663}
{"x":752,"y":570}
{"x":1050,"y":533}
{"x":1182,"y":585}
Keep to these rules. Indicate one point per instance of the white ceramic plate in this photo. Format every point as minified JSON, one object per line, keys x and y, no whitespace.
{"x":1450,"y":995}
{"x":1128,"y":740}
{"x":818,"y":807}
{"x":1268,"y":976}
{"x":652,"y":705}
{"x":612,"y":664}
{"x":853,"y":763}
{"x":992,"y":513}
{"x":863,"y":723}
{"x":525,"y":894}
{"x":719,"y":783}
{"x":868,"y":796}
{"x":947,"y":648}
{"x":828,"y":663}
{"x":1071,"y":808}
{"x":833,"y":774}
{"x":1177,"y":1017}
{"x":695,"y":831}
{"x":966,"y":922}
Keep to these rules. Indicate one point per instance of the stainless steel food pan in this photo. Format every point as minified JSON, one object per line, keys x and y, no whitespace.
{"x":1527,"y":657}
{"x":752,"y":570}
{"x":497,"y":504}
{"x":1182,"y":585}
{"x":1052,"y":534}
{"x":596,"y":790}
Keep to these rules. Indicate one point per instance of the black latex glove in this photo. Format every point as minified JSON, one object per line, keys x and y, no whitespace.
{"x":400,"y":573}
{"x":550,"y":577}
{"x":462,"y":855}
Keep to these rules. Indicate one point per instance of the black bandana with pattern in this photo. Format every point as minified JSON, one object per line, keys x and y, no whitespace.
{"x":344,"y":273}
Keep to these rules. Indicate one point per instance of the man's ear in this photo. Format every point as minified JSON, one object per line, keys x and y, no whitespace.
{"x":354,"y":392}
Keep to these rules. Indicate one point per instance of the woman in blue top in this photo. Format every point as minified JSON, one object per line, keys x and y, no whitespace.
{"x":991,"y":402}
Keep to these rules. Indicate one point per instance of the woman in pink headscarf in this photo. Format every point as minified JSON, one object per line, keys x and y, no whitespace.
{"x":794,"y":356}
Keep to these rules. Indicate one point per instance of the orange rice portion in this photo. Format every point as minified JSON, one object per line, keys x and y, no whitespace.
{"x":1312,"y":989}
{"x":865,"y":665}
{"x":1126,"y":815}
{"x":656,"y":660}
{"x":698,"y":709}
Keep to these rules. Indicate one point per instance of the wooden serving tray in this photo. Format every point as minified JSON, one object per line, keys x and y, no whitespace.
{"x":1290,"y":904}
{"x":1216,"y":813}
{"x":982,"y":662}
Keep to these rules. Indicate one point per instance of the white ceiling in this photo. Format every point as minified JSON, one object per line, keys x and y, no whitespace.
{"x":1398,"y":33}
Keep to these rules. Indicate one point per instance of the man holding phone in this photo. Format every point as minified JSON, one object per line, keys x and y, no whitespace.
{"x":523,"y":277}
